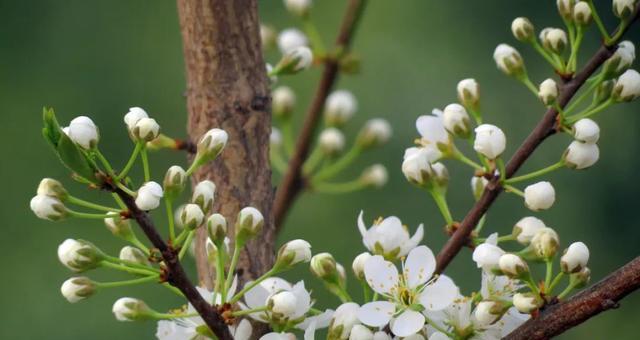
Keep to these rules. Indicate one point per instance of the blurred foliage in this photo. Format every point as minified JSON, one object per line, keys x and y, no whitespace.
{"x":101,"y":57}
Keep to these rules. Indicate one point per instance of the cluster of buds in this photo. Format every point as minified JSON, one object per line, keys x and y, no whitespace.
{"x":141,"y":127}
{"x":583,"y":152}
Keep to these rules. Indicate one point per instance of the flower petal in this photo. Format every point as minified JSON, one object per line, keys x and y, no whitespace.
{"x":419,"y":266}
{"x":381,"y":275}
{"x":361,"y":226}
{"x":257,"y":296}
{"x":407,"y":323}
{"x":303,"y":299}
{"x":377,"y":313}
{"x":438,"y":336}
{"x":310,"y":332}
{"x":439,"y":294}
{"x":413,"y":242}
{"x":243,"y":330}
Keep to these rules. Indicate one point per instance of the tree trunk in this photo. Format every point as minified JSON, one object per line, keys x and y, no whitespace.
{"x":227,"y":87}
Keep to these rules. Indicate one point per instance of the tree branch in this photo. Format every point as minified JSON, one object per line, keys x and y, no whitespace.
{"x":292,"y":182}
{"x":601,"y":297}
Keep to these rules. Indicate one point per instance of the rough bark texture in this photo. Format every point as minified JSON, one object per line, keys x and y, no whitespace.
{"x":227,"y":88}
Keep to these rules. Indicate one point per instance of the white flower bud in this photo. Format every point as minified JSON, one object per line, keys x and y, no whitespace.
{"x":375,"y":132}
{"x":133,"y":116}
{"x":203,"y":195}
{"x":477,"y":186}
{"x":522,"y":29}
{"x":582,"y":13}
{"x":548,"y":91}
{"x":553,"y":39}
{"x":146,"y":129}
{"x":275,"y":138}
{"x":273,"y":78}
{"x":565,"y":8}
{"x":118,"y":226}
{"x":358,"y":265}
{"x":469,"y":93}
{"x":149,"y":196}
{"x":623,"y":8}
{"x":283,"y":102}
{"x":292,"y":253}
{"x":210,"y":145}
{"x":508,"y":60}
{"x":539,"y":196}
{"x":283,"y":303}
{"x":581,"y":155}
{"x":524,"y":229}
{"x":290,"y":39}
{"x":331,"y":141}
{"x":416,"y":167}
{"x":48,"y":208}
{"x":512,"y":265}
{"x":79,"y":255}
{"x":53,"y":188}
{"x":267,"y":36}
{"x":174,"y":181}
{"x":192,"y":216}
{"x":375,"y":176}
{"x":343,"y":321}
{"x":130,"y":309}
{"x":490,"y":141}
{"x":581,"y":278}
{"x":133,"y":254}
{"x":586,"y":130}
{"x":488,"y":312}
{"x":621,"y":60}
{"x":83,"y":132}
{"x":525,"y":302}
{"x":342,"y":273}
{"x":360,"y":332}
{"x":627,"y":87}
{"x":440,"y":174}
{"x":487,"y":256}
{"x":324,"y":266}
{"x":456,"y":120}
{"x":217,"y":228}
{"x":298,"y":7}
{"x":249,"y":222}
{"x":77,"y":288}
{"x":340,"y":106}
{"x":575,"y":258}
{"x":545,"y":243}
{"x":294,"y":61}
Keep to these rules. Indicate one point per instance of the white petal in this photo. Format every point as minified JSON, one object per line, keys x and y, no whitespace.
{"x":310,"y":332}
{"x":419,"y":266}
{"x":303,"y":299}
{"x":432,"y":129}
{"x":257,"y":296}
{"x":361,"y":226}
{"x":492,"y":239}
{"x":377,"y":313}
{"x":407,"y":323}
{"x":320,"y":321}
{"x":439,"y":294}
{"x":438,"y":336}
{"x":413,"y":242}
{"x":233,"y":287}
{"x":243,"y":330}
{"x":381,"y":275}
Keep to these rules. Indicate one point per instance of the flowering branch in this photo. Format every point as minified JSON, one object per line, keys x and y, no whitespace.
{"x":601,"y":297}
{"x":292,"y":182}
{"x":545,"y":128}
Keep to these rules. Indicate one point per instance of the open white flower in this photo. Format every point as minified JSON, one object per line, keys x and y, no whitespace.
{"x":433,"y":134}
{"x":405,"y":295}
{"x":388,"y":237}
{"x":260,"y":295}
{"x":343,"y":320}
{"x":487,"y":255}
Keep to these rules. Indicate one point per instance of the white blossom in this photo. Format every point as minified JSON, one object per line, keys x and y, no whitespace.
{"x":416,"y":165}
{"x":77,"y":288}
{"x":260,"y":295}
{"x":539,"y":196}
{"x":48,"y":207}
{"x":331,"y":141}
{"x":553,"y":39}
{"x":627,"y":87}
{"x":290,"y":39}
{"x":249,"y":221}
{"x":148,"y":196}
{"x":133,"y":116}
{"x":340,"y":106}
{"x":294,"y":252}
{"x":191,"y":216}
{"x":53,"y":188}
{"x":548,"y":91}
{"x":282,"y":303}
{"x":375,"y":132}
{"x":434,"y":136}
{"x":275,"y":138}
{"x":360,"y":332}
{"x":525,"y":302}
{"x":79,"y":255}
{"x":298,"y":7}
{"x":146,"y":129}
{"x":456,"y":120}
{"x":211,"y":144}
{"x":343,"y":320}
{"x":477,"y":186}
{"x":522,"y":29}
{"x":130,"y":309}
{"x":581,"y":155}
{"x":545,"y":243}
{"x":575,"y":258}
{"x":582,"y":13}
{"x":508,"y":60}
{"x":83,"y":132}
{"x":388,"y":237}
{"x":528,"y":226}
{"x":375,"y":175}
{"x":358,"y":264}
{"x":586,"y":130}
{"x":283,"y":102}
{"x":468,"y":92}
{"x":623,"y":8}
{"x":512,"y":265}
{"x":487,"y":255}
{"x":490,"y":141}
{"x":133,"y":255}
{"x":204,"y":194}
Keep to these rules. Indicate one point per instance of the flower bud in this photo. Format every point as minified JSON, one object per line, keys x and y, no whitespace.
{"x":548,"y":91}
{"x":53,"y":188}
{"x":192,"y":216}
{"x":292,"y":253}
{"x":84,"y":132}
{"x":298,"y":7}
{"x":48,"y":208}
{"x":581,"y":278}
{"x":375,"y":176}
{"x":575,"y":258}
{"x":340,"y":106}
{"x":553,"y":39}
{"x":512,"y":265}
{"x":294,"y":61}
{"x":275,"y":138}
{"x":133,"y":116}
{"x":217,"y":228}
{"x":290,"y":39}
{"x":620,"y":61}
{"x":77,"y":288}
{"x":358,"y":265}
{"x":146,"y":129}
{"x":360,"y":332}
{"x":283,"y":303}
{"x":581,"y":155}
{"x":343,"y":321}
{"x":375,"y":132}
{"x":118,"y":226}
{"x":524,"y":229}
{"x":623,"y":8}
{"x":203,"y":195}
{"x":627,"y":87}
{"x":603,"y":92}
{"x":130,"y":309}
{"x":210,"y":145}
{"x":324,"y":267}
{"x":565,"y":8}
{"x":525,"y":302}
{"x":416,"y":167}
{"x":582,"y":13}
{"x":79,"y":255}
{"x":331,"y":141}
{"x":174,"y":181}
{"x":283,"y":102}
{"x":149,"y":196}
{"x":342,"y":274}
{"x":456,"y":120}
{"x":440,"y":174}
{"x":488,"y":312}
{"x":469,"y":93}
{"x":490,"y":141}
{"x":522,"y":29}
{"x":539,"y":196}
{"x":135,"y":255}
{"x":586,"y":130}
{"x":267,"y":36}
{"x":508,"y":60}
{"x":545,"y":243}
{"x":487,"y":256}
{"x":249,"y":223}
{"x":477,"y":186}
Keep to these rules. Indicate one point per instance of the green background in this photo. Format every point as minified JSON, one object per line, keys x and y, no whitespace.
{"x":101,"y":57}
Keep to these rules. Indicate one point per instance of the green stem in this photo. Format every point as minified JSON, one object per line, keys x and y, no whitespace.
{"x":464,"y":159}
{"x":249,"y":311}
{"x":127,"y":282}
{"x":220,"y":271}
{"x":528,"y":280}
{"x":145,"y":164}
{"x":573,"y":58}
{"x":187,"y":244}
{"x":87,"y":215}
{"x":544,"y":54}
{"x":125,"y":189}
{"x":527,"y":82}
{"x":131,"y":161}
{"x":598,"y":21}
{"x":173,"y":289}
{"x":136,"y":242}
{"x":566,"y":291}
{"x":335,"y":168}
{"x":441,"y":202}
{"x":619,"y":32}
{"x":514,"y":190}
{"x":314,"y":36}
{"x":440,"y":329}
{"x":278,"y":161}
{"x":119,"y":201}
{"x":287,"y":135}
{"x":104,"y":161}
{"x":481,"y":223}
{"x":555,"y":282}
{"x":169,"y":316}
{"x":549,"y":274}
{"x":249,"y":286}
{"x":237,"y":247}
{"x":117,"y":260}
{"x":126,"y":269}
{"x":87,"y":204}
{"x":312,"y":162}
{"x":169,"y":207}
{"x":339,"y":188}
{"x":574,"y":118}
{"x":536,"y":173}
{"x":181,"y":238}
{"x":366,"y":291}
{"x":593,"y":84}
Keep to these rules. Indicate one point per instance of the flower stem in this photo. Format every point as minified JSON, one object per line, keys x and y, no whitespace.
{"x":555,"y":282}
{"x":87,"y":215}
{"x":512,"y":189}
{"x":574,"y":118}
{"x":232,"y":267}
{"x":145,"y":164}
{"x":187,"y":244}
{"x":536,"y":173}
{"x":127,"y":269}
{"x":312,"y":162}
{"x":566,"y":291}
{"x":549,"y":274}
{"x":527,"y":82}
{"x":249,"y":311}
{"x":598,"y":21}
{"x":169,"y":316}
{"x":314,"y":36}
{"x":441,"y":202}
{"x":366,"y":291}
{"x":278,"y":161}
{"x":131,"y":161}
{"x":141,"y":280}
{"x":335,"y":168}
{"x":104,"y":161}
{"x":87,"y":204}
{"x":170,"y":220}
{"x":220,"y":271}
{"x":248,"y":287}
{"x":545,"y":54}
{"x":464,"y":159}
{"x":287,"y":135}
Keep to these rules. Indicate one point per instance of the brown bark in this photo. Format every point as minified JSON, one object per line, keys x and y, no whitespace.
{"x":227,"y":88}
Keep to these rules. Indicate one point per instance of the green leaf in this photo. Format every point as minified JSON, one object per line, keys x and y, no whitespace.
{"x":51,"y":130}
{"x":72,"y":157}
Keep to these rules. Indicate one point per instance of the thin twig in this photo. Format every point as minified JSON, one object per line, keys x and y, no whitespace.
{"x":292,"y":182}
